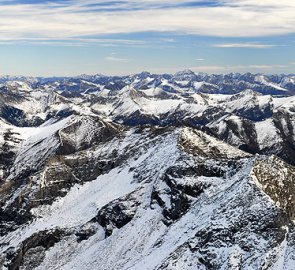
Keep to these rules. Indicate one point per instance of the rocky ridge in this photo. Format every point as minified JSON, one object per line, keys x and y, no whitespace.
{"x":136,"y":178}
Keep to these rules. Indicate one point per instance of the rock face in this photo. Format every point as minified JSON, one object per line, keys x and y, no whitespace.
{"x":137,"y":177}
{"x":277,"y":180}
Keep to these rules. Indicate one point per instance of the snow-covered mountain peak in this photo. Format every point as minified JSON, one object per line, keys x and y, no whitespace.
{"x":201,"y":144}
{"x":186,"y":74}
{"x":186,"y":171}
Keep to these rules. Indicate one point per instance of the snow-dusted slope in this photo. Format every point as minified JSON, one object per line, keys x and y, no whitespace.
{"x":147,"y":172}
{"x":141,"y":198}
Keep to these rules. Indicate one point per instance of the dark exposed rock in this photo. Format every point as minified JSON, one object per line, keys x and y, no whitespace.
{"x":277,"y":180}
{"x":36,"y":244}
{"x":117,"y":214}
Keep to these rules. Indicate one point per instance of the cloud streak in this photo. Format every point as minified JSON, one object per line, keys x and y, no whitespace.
{"x":246,"y":45}
{"x":239,"y":68}
{"x":226,"y":18}
{"x":72,"y":41}
{"x":117,"y":59}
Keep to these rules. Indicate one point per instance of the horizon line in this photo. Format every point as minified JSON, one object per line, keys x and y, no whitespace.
{"x":144,"y":71}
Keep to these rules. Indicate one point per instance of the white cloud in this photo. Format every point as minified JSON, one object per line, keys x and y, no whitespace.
{"x":245,"y":45}
{"x":239,"y":68}
{"x":200,"y":59}
{"x":224,"y":69}
{"x":239,"y":18}
{"x":117,"y":59}
{"x":168,"y":40}
{"x":72,"y":41}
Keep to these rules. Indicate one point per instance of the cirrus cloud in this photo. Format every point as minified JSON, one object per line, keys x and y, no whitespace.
{"x":246,"y":45}
{"x":117,"y":59}
{"x":77,"y":19}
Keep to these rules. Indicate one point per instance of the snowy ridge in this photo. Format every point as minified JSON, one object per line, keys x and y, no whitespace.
{"x":202,"y":144}
{"x":153,"y":172}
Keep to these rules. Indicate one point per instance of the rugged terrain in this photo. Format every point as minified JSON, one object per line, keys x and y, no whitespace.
{"x":183,"y":171}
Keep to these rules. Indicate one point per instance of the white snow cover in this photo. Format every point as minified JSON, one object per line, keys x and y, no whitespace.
{"x":263,"y":80}
{"x":82,"y":201}
{"x":209,"y":145}
{"x":38,"y":143}
{"x":146,"y":243}
{"x":267,"y":133}
{"x":131,"y":102}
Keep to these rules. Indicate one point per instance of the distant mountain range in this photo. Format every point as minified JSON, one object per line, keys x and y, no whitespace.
{"x":184,"y":81}
{"x":184,"y":171}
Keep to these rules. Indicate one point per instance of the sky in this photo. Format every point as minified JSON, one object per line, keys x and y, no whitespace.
{"x":72,"y":37}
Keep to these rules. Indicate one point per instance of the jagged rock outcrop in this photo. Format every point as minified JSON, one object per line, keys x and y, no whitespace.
{"x":276,"y":178}
{"x":191,"y":199}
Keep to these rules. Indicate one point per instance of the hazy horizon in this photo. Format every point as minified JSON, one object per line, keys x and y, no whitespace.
{"x":135,"y":73}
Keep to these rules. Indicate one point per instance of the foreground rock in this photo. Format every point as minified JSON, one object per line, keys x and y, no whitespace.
{"x":143,"y":198}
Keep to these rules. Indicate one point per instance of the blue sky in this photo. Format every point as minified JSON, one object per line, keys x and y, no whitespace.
{"x":71,"y":37}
